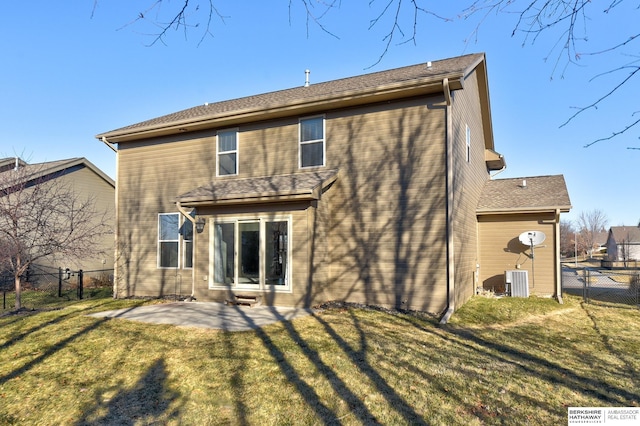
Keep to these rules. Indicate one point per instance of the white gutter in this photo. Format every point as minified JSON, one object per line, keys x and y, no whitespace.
{"x":194,"y":251}
{"x":449,"y":206}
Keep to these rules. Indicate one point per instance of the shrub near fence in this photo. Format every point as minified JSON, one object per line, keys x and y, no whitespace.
{"x":48,"y":287}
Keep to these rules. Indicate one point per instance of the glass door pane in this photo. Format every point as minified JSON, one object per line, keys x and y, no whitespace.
{"x":276,"y":252}
{"x":249,"y":253}
{"x":224,"y":253}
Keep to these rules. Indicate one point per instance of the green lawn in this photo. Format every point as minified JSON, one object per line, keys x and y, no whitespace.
{"x":500,"y":361}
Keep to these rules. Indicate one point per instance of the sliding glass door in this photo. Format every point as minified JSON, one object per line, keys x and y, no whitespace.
{"x":251,"y":254}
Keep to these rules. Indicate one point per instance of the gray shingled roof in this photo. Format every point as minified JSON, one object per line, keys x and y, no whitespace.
{"x":37,"y":170}
{"x":421,"y":73}
{"x":298,"y":186}
{"x":540,"y":193}
{"x":630,"y":234}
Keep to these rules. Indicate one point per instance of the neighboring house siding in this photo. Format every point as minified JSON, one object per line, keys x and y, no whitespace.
{"x":85,"y":184}
{"x":624,"y":251}
{"x":501,"y":250}
{"x":469,"y":179}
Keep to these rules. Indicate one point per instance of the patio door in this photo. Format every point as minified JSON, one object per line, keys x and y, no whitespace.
{"x":251,"y":254}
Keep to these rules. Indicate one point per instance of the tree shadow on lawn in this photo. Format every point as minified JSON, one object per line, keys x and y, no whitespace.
{"x":49,"y":352}
{"x":536,"y":366}
{"x":357,"y":356}
{"x":147,"y":401}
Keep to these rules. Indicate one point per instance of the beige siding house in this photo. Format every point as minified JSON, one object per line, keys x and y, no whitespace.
{"x":85,"y":180}
{"x":510,"y":207}
{"x":363,"y":189}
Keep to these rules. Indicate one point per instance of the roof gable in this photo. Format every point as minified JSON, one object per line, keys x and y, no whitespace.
{"x":529,"y":194}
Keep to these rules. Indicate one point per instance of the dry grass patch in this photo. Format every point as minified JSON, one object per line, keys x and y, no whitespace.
{"x":341,"y":365}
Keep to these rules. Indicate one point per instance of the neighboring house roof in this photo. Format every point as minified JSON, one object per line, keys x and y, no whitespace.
{"x":10,"y":163}
{"x":528,"y":194}
{"x":298,"y":186}
{"x":381,"y":86}
{"x":39,"y":170}
{"x":629,"y":234}
{"x":600,"y":238}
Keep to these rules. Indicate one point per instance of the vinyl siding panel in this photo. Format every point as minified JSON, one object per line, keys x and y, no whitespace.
{"x":501,"y":250}
{"x":387,"y":227}
{"x":468,"y":180}
{"x":376,"y":236}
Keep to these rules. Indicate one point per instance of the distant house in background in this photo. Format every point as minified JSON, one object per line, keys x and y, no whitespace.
{"x":86,"y":180}
{"x":363,"y":189}
{"x":509,"y":207}
{"x":623,"y":243}
{"x":599,"y":243}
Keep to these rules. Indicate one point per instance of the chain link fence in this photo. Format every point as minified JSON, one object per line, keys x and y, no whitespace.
{"x":43,"y":286}
{"x":597,"y":285}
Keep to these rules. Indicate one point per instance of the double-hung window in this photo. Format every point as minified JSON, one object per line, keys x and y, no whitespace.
{"x":175,"y":240}
{"x":312,"y":146}
{"x":168,"y":240}
{"x":227,"y":152}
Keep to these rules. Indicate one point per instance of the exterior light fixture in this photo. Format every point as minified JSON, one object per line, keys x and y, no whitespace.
{"x":200,"y":224}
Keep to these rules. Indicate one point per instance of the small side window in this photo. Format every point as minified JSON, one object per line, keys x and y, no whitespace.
{"x":468,"y":144}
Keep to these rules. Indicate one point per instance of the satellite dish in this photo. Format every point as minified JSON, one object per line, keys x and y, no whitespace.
{"x":532,"y":238}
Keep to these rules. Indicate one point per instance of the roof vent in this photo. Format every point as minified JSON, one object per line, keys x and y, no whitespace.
{"x":306,"y":78}
{"x":429,"y":64}
{"x":524,"y":184}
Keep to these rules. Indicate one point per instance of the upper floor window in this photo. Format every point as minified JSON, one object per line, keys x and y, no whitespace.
{"x":227,"y":153}
{"x":312,"y":150}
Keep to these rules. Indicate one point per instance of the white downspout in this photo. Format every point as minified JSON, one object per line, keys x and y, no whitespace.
{"x":558,"y":267}
{"x":449,"y":206}
{"x":193,"y":266}
{"x":107,"y":143}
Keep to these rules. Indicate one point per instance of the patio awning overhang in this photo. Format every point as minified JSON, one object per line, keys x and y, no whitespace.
{"x":305,"y":186}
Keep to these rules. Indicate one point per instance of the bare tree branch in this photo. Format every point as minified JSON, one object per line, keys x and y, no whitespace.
{"x":396,"y":23}
{"x":41,"y":216}
{"x":312,"y":17}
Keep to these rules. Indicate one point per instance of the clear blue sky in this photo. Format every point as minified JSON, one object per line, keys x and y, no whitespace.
{"x":66,"y":76}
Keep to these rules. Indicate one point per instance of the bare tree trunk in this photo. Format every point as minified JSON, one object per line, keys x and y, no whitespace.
{"x":18,"y":291}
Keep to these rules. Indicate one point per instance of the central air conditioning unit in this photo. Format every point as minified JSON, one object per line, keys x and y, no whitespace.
{"x":517,"y":283}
